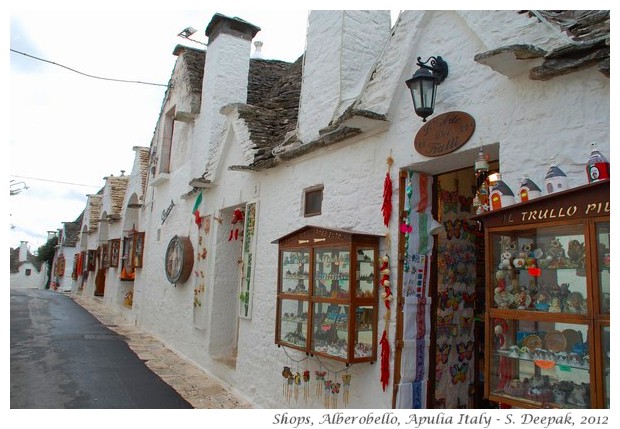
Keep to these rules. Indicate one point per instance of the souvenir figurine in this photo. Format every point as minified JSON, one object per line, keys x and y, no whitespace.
{"x":556,"y":254}
{"x":505,"y":261}
{"x":562,"y":358}
{"x":528,"y":190}
{"x":559,"y":395}
{"x":555,"y":180}
{"x":501,"y":195}
{"x":577,"y":396}
{"x":555,"y":307}
{"x":542,"y":301}
{"x":525,"y":353}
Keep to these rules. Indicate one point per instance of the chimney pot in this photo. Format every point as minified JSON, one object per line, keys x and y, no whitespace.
{"x":234,"y":26}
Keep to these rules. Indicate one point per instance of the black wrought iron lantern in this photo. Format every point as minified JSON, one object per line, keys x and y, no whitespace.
{"x":423,"y":85}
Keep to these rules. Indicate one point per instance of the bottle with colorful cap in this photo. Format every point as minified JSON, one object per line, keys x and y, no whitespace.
{"x":597,"y":167}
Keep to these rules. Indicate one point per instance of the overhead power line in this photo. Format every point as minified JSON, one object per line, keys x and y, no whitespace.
{"x":85,"y":74}
{"x":56,"y":181}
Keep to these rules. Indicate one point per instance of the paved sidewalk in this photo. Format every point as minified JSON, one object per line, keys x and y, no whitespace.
{"x":192,"y":383}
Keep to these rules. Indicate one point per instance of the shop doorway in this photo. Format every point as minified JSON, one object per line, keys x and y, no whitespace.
{"x":100,"y":282}
{"x":440,"y":330}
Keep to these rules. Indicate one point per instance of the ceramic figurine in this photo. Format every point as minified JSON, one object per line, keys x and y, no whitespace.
{"x":555,"y":180}
{"x":555,"y":306}
{"x":525,"y":353}
{"x":501,"y":195}
{"x":559,"y":395}
{"x":577,"y":396}
{"x":504,"y":264}
{"x":528,"y":189}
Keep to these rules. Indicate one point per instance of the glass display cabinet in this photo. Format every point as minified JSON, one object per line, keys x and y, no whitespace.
{"x":548,"y":300}
{"x":327,"y":293}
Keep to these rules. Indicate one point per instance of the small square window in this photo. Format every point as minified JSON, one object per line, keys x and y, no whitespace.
{"x":313,"y":201}
{"x":28,"y":271}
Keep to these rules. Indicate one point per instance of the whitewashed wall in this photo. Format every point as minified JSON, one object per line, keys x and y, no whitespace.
{"x":66,"y":282}
{"x":36,"y":279}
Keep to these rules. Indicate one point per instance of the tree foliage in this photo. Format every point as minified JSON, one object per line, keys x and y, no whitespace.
{"x":46,"y":253}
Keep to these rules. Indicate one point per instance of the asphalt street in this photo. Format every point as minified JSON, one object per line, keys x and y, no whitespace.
{"x":63,"y":357}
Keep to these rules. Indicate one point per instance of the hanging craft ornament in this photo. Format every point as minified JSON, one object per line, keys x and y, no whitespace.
{"x":297,"y":384}
{"x":387,"y":298}
{"x":335,"y":389}
{"x":286,"y":372}
{"x":385,"y":360}
{"x":289,"y":387}
{"x":327,"y":384}
{"x":306,"y":385}
{"x":237,"y":220}
{"x":385,"y":281}
{"x":386,"y":208}
{"x":320,"y":379}
{"x":346,"y":384}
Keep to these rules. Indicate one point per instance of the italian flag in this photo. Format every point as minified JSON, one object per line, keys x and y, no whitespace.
{"x":196,"y":210}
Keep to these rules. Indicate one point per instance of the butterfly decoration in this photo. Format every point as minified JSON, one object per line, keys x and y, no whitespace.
{"x":450,"y":200}
{"x":449,"y":299}
{"x":466,"y":203}
{"x":444,"y":325}
{"x":443,"y":353}
{"x":453,"y":228}
{"x":466,"y":324}
{"x":465,"y":350}
{"x":469,"y":299}
{"x":471,"y":228}
{"x":459,"y":372}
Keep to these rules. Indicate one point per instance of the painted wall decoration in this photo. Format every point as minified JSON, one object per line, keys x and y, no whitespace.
{"x":200,"y":269}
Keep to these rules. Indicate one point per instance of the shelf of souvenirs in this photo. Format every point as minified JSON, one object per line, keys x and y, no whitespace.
{"x":541,"y":392}
{"x":335,"y":349}
{"x":538,"y":316}
{"x":341,"y":326}
{"x":288,"y":275}
{"x":542,"y":298}
{"x":546,"y":359}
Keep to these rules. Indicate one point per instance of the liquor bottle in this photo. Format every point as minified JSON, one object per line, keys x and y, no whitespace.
{"x":597,"y":167}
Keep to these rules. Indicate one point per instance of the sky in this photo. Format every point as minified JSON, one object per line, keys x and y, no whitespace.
{"x":69,"y":131}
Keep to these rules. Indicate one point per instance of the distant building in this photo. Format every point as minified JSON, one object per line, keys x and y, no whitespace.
{"x":27,"y":272}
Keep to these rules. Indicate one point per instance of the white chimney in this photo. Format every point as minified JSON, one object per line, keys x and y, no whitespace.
{"x":23,"y":251}
{"x":225,"y":79}
{"x":341,"y":47}
{"x":257,"y":49}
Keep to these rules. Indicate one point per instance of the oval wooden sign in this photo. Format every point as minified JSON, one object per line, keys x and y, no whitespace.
{"x":444,"y":133}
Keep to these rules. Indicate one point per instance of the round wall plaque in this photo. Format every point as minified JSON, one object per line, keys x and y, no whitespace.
{"x":179,"y":259}
{"x":444,"y":133}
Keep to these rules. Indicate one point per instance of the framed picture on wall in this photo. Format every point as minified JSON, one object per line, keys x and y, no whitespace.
{"x":115,"y":249}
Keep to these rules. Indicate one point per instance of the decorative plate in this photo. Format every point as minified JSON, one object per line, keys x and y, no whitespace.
{"x":572,"y":337}
{"x":532,"y":342}
{"x":555,"y":341}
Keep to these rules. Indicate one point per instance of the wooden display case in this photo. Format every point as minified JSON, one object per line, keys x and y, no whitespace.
{"x":327,"y":300}
{"x":548,"y":301}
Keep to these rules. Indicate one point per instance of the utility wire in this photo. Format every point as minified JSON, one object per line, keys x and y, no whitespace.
{"x":85,"y":74}
{"x":55,"y":181}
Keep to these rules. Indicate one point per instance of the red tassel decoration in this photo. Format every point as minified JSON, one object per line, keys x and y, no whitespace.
{"x":385,"y":360}
{"x":387,"y":199}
